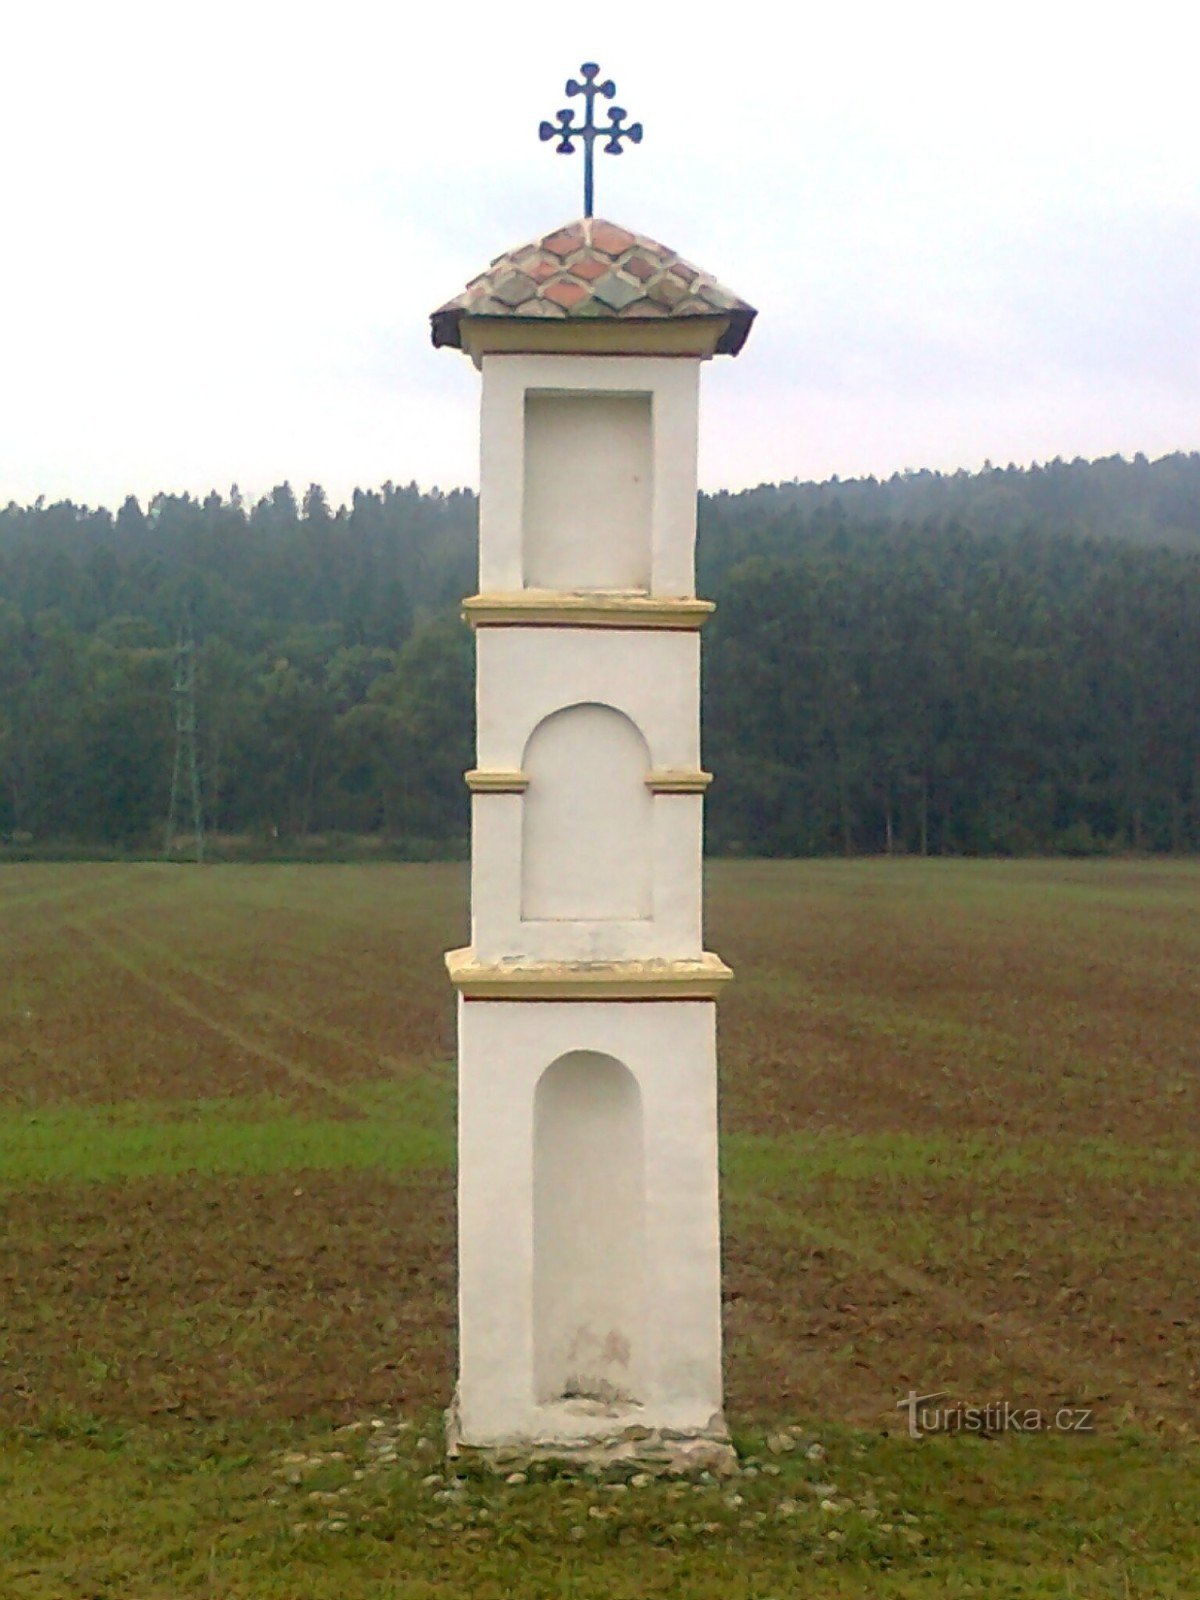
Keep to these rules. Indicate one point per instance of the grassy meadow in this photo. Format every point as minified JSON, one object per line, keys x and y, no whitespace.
{"x":960,"y":1115}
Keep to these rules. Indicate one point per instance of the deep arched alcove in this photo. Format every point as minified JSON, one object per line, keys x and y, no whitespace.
{"x":586,"y":842}
{"x":589,"y":1221}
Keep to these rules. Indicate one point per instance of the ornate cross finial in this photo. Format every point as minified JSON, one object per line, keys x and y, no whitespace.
{"x":566,"y":131}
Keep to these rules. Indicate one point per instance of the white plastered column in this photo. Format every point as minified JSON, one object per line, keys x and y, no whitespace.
{"x":669,"y":1048}
{"x":589,"y":1233}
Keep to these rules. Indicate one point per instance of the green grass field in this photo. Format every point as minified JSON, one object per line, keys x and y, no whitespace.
{"x":960,"y":1116}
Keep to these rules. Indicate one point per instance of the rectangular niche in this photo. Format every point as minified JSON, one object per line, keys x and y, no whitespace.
{"x":589,"y":488}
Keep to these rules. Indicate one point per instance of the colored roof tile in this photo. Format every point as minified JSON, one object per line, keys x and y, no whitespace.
{"x":566,"y":292}
{"x":666,"y":289}
{"x":541,"y":267}
{"x":616,"y":291}
{"x":563,"y":241}
{"x":640,"y":267}
{"x":608,"y":237}
{"x":515,"y":288}
{"x":590,"y":269}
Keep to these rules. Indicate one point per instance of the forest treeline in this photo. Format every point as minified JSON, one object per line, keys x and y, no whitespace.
{"x":999,"y":662}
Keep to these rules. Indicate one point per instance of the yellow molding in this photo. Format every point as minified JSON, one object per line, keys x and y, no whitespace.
{"x":696,"y":335}
{"x":701,"y":979}
{"x":681,"y":780}
{"x":550,"y":608}
{"x":495,"y":780}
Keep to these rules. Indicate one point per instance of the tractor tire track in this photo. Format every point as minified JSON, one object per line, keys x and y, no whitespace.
{"x":279,"y":943}
{"x":238,"y":1037}
{"x":50,"y":898}
{"x":957,"y":1308}
{"x":400,"y":1065}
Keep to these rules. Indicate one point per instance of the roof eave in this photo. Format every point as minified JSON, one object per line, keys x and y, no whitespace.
{"x":741,"y":319}
{"x":698,"y":334}
{"x":444,"y":329}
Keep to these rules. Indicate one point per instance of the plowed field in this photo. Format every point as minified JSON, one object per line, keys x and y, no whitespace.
{"x":961,"y":1116}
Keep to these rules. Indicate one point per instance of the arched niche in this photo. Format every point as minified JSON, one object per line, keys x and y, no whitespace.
{"x":586,"y":846}
{"x":589,"y":1290}
{"x":588,"y":490}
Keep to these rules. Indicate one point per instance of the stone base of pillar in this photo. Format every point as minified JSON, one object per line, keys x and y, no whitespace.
{"x":587,"y":1434}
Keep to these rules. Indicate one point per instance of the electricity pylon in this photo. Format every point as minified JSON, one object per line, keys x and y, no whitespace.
{"x":185,"y":774}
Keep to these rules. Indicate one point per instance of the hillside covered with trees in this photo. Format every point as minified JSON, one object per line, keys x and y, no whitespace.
{"x":1006,"y":661}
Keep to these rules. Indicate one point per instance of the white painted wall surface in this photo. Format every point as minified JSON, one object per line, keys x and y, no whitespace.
{"x":671,"y":386}
{"x":525,"y":674}
{"x":673,"y":931}
{"x":669,"y":1047}
{"x":526,"y":677}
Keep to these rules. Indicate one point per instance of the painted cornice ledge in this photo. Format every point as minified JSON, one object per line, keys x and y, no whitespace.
{"x":678,"y":780}
{"x":701,"y":979}
{"x":496,"y":780}
{"x":550,"y":608}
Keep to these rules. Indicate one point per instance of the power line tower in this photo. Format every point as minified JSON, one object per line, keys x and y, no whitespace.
{"x":185,"y":774}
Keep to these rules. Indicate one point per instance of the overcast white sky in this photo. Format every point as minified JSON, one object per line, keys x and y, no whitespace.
{"x":970,"y":231}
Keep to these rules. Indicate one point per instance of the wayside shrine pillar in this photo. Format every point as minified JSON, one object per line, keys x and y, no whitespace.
{"x":589,"y":1236}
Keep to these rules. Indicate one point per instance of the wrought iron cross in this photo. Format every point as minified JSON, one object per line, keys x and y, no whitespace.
{"x":566,"y":130}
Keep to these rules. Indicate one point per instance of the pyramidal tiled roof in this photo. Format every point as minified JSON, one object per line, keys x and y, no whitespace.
{"x":593,"y":268}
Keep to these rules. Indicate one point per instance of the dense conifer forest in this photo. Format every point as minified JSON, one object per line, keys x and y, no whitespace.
{"x":999,"y":662}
